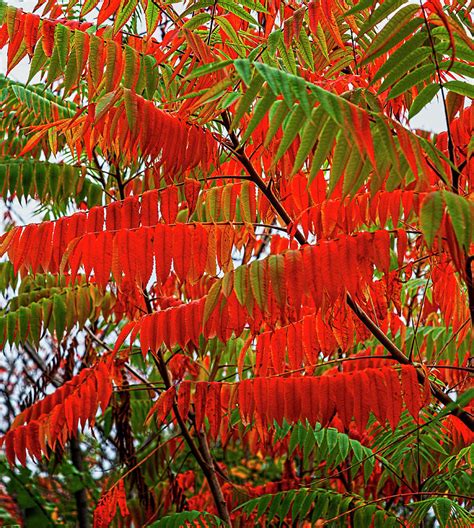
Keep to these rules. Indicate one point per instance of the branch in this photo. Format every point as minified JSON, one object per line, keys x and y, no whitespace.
{"x":79,"y":495}
{"x":375,"y":330}
{"x":454,"y":170}
{"x":399,"y":356}
{"x":203,"y":457}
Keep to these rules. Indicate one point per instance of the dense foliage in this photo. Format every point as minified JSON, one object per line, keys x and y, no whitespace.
{"x":248,"y":298}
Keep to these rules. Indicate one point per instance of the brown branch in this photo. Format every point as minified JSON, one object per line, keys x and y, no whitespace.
{"x":77,"y":459}
{"x":80,"y":495}
{"x":255,"y":177}
{"x":398,"y":355}
{"x":375,"y":330}
{"x":203,"y":456}
{"x":454,"y":169}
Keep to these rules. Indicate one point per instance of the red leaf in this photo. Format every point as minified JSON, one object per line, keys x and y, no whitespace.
{"x":395,"y":396}
{"x":326,"y":408}
{"x":260,"y":396}
{"x":200,"y":401}
{"x":382,"y":250}
{"x":411,"y":390}
{"x":362,"y":398}
{"x":213,"y":408}
{"x":32,"y":440}
{"x":162,"y":251}
{"x":104,"y":385}
{"x":184,"y":399}
{"x":246,"y":401}
{"x":109,"y":8}
{"x":292,"y":400}
{"x":10,"y":447}
{"x":347,"y":396}
{"x":192,"y":188}
{"x":169,"y":204}
{"x":130,"y":217}
{"x":149,"y":208}
{"x":20,"y":444}
{"x":380,"y":395}
{"x":162,"y":406}
{"x":182,"y":244}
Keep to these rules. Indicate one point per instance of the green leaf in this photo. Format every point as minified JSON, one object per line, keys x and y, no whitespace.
{"x":363,"y":516}
{"x":461,"y":88}
{"x":23,"y":322}
{"x":276,"y":264}
{"x":330,"y":102}
{"x":278,"y":81}
{"x":285,"y":505}
{"x":368,"y":468}
{"x":304,"y":505}
{"x":246,"y":200}
{"x":233,"y":7}
{"x":37,"y":62}
{"x":461,"y":212}
{"x":408,"y":63}
{"x":88,"y":7}
{"x":442,"y":509}
{"x":71,"y":74}
{"x":263,"y":505}
{"x":61,"y":43}
{"x":59,"y":313}
{"x":320,"y":507}
{"x":234,"y":40}
{"x":35,"y":322}
{"x":211,"y":301}
{"x":187,"y":518}
{"x":351,"y":182}
{"x":380,"y":13}
{"x":290,"y":131}
{"x":360,"y":6}
{"x":309,"y":136}
{"x":197,"y":20}
{"x":341,"y":155}
{"x":208,"y":68}
{"x":277,"y":115}
{"x":304,"y":47}
{"x":379,"y":519}
{"x":423,"y":98}
{"x":417,"y":76}
{"x":394,"y":31}
{"x":247,"y":99}
{"x":324,"y":147}
{"x":130,"y":70}
{"x":258,"y":283}
{"x":431,"y":216}
{"x":126,"y":9}
{"x":399,"y":54}
{"x":287,"y":57}
{"x":152,"y":15}
{"x":259,"y":112}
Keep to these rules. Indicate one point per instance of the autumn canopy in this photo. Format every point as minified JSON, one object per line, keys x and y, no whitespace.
{"x":236,"y":277}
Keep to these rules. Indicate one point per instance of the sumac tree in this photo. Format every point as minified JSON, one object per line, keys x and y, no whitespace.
{"x":247,"y":295}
